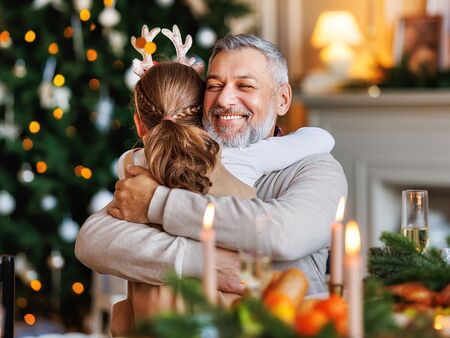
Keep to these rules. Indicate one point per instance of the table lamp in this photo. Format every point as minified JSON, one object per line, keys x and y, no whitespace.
{"x":335,"y":32}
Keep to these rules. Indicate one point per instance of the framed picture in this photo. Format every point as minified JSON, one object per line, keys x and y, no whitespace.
{"x":442,"y":8}
{"x":418,"y":39}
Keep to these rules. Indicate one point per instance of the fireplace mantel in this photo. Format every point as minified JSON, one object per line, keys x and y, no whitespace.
{"x":397,"y":140}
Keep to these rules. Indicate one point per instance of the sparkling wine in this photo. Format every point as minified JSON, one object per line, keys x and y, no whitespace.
{"x":256,"y":273}
{"x":418,"y":236}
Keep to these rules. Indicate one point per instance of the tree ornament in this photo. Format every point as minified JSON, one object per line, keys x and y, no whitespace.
{"x":198,"y":7}
{"x":48,"y":202}
{"x":8,"y":129}
{"x":51,"y":96}
{"x":82,"y":4}
{"x":56,"y":4}
{"x":20,"y":69}
{"x":109,"y":17}
{"x":117,"y":40}
{"x":105,"y":108}
{"x":25,"y":175}
{"x":206,"y":37}
{"x":7,"y":203}
{"x":131,"y":78}
{"x":100,"y":200}
{"x":165,"y":3}
{"x":68,"y":229}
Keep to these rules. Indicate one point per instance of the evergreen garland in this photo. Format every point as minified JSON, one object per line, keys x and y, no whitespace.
{"x":398,"y":262}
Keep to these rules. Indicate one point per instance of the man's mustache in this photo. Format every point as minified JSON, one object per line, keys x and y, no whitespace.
{"x":233,"y":110}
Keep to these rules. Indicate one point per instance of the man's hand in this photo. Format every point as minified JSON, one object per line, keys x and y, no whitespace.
{"x":133,"y":196}
{"x":228,"y":268}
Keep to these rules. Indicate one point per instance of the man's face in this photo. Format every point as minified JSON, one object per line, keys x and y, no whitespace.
{"x":239,"y":105}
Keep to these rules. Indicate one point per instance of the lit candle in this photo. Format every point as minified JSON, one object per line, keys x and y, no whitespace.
{"x":353,"y":279}
{"x":208,"y":239}
{"x":337,"y":251}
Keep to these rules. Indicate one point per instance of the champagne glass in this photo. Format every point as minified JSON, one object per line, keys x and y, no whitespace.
{"x":415,"y":217}
{"x":256,"y":267}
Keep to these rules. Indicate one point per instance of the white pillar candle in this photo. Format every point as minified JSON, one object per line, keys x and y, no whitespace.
{"x":337,"y":251}
{"x":353,"y":279}
{"x":208,"y":239}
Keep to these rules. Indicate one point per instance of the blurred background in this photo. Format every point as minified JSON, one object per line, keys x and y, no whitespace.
{"x":375,"y":73}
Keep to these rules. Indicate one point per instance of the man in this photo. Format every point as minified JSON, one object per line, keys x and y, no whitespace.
{"x":247,"y":88}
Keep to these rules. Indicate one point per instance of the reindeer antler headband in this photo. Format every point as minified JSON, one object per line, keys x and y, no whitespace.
{"x":140,"y":67}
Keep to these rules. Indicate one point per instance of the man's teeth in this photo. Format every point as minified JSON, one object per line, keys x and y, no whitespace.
{"x":230,"y":117}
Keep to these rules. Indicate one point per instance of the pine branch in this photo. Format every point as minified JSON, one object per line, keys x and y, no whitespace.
{"x":398,"y":261}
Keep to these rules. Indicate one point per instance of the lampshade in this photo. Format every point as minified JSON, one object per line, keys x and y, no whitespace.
{"x":336,"y":26}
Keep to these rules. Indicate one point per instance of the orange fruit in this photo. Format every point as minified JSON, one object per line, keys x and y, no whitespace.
{"x":281,"y":306}
{"x":334,"y":307}
{"x":310,"y":323}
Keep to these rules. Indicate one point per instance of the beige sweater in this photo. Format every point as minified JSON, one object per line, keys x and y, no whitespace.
{"x":300,"y":200}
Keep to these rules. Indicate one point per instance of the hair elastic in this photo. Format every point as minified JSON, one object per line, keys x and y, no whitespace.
{"x":169,"y":118}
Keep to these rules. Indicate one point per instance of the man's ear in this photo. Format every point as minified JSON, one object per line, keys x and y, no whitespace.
{"x":284,"y":99}
{"x":140,"y":128}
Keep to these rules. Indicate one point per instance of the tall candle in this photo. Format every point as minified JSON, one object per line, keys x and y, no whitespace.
{"x":208,"y":239}
{"x":353,"y":279}
{"x":337,"y":251}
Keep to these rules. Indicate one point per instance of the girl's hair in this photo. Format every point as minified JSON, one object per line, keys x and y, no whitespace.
{"x":180,"y":154}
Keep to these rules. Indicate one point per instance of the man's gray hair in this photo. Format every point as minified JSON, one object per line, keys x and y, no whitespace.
{"x":272,"y":53}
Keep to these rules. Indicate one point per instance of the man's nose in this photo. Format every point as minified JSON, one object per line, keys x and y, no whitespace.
{"x":227,"y":97}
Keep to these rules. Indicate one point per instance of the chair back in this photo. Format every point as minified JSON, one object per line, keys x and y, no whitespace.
{"x":7,"y":279}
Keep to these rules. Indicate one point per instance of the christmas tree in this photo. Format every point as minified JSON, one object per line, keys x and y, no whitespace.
{"x":65,"y":118}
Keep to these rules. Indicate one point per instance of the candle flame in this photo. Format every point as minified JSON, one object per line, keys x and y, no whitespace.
{"x":340,"y":210}
{"x":352,"y":238}
{"x":208,"y":218}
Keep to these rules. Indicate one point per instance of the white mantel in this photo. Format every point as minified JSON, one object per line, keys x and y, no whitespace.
{"x":394,"y":141}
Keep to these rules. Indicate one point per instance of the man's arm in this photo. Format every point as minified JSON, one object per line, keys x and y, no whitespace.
{"x":296,"y":207}
{"x":138,"y":252}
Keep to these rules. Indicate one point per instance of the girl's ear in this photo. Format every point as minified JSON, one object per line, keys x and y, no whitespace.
{"x":140,"y":128}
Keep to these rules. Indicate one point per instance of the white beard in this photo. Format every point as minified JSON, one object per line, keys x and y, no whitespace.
{"x":244,"y":137}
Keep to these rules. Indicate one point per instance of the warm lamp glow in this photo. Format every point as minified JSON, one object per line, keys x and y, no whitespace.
{"x":336,"y":26}
{"x":352,"y":238}
{"x":340,"y":210}
{"x":335,"y":32}
{"x":208,"y":218}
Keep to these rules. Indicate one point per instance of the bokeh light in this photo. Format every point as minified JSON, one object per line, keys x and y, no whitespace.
{"x":41,"y":167}
{"x":30,"y":36}
{"x":78,"y":288}
{"x":34,"y":127}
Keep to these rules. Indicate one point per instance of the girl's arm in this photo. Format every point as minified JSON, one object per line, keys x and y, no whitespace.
{"x":276,"y":153}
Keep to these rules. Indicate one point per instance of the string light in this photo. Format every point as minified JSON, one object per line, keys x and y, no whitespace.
{"x":118,"y":64}
{"x":150,"y":47}
{"x":36,"y":285}
{"x":91,"y":55}
{"x":108,"y":3}
{"x":34,"y":127}
{"x":94,"y":84}
{"x":68,"y":32}
{"x":41,"y":167}
{"x":86,"y":173}
{"x":78,"y":288}
{"x":27,"y":144}
{"x":30,"y":36}
{"x":77,"y":170}
{"x":92,"y":26}
{"x":30,"y":319}
{"x":21,"y":302}
{"x":70,"y":131}
{"x":58,"y":113}
{"x":59,"y":80}
{"x":140,"y":42}
{"x":53,"y":48}
{"x":5,"y":39}
{"x":85,"y":15}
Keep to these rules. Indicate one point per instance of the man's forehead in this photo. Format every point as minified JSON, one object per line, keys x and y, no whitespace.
{"x":245,"y":63}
